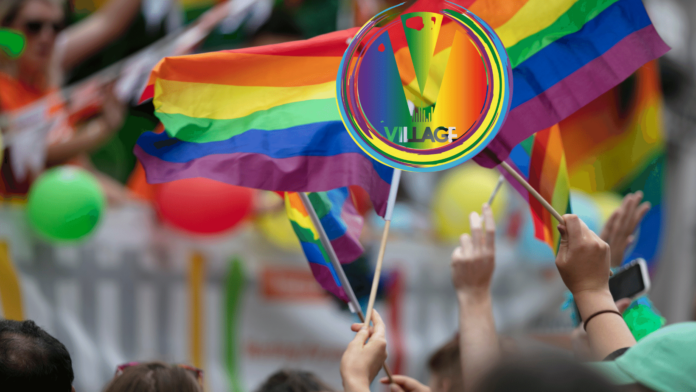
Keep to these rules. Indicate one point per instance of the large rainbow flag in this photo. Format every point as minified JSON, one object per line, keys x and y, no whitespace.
{"x":266,"y":118}
{"x":342,"y":225}
{"x":619,"y":145}
{"x":262,"y":117}
{"x":541,"y":160}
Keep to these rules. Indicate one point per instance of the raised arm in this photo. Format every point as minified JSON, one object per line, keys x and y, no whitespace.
{"x":583,"y":261}
{"x":619,"y":229}
{"x":472,"y":269}
{"x":87,"y":37}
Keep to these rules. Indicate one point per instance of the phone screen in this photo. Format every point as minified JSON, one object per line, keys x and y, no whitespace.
{"x":626,"y":283}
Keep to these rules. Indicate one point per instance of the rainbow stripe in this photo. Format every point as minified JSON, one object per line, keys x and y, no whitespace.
{"x":541,"y":160}
{"x":623,"y":149}
{"x":268,"y":120}
{"x":342,"y":225}
{"x":266,"y":117}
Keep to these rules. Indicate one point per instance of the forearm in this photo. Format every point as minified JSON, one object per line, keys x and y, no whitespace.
{"x":87,"y":139}
{"x":607,"y":332}
{"x":478,"y":339}
{"x":89,"y":36}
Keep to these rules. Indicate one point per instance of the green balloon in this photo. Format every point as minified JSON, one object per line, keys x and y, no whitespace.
{"x":65,"y":204}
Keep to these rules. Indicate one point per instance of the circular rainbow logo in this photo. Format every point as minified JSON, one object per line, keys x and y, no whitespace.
{"x":424,"y":91}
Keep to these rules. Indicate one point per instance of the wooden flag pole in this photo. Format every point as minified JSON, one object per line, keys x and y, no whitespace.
{"x":533,"y":192}
{"x":353,"y":304}
{"x":496,"y":189}
{"x":396,"y":178}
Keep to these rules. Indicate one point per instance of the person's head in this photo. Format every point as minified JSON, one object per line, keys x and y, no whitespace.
{"x":293,"y":381}
{"x":32,"y":360}
{"x":40,"y":21}
{"x":542,"y":374}
{"x":663,"y":361}
{"x":446,"y":368}
{"x":155,"y":377}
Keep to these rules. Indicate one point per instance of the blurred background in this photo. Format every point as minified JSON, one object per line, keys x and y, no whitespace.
{"x":210,"y":274}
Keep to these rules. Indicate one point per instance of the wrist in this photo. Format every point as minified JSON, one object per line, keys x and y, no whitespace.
{"x":592,"y":301}
{"x":473,"y":297}
{"x":353,"y":384}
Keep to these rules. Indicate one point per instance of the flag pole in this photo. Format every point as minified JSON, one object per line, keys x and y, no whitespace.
{"x":533,"y":192}
{"x":496,"y":189}
{"x":353,"y":304}
{"x":396,"y":178}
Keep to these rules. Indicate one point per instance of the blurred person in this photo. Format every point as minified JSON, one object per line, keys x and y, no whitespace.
{"x":664,"y":361}
{"x":445,"y":372}
{"x":50,"y":52}
{"x":542,"y":374}
{"x":294,"y":381}
{"x":156,"y":377}
{"x":32,"y":360}
{"x":364,"y":356}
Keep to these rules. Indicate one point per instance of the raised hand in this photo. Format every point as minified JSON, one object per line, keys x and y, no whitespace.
{"x":473,"y":261}
{"x":404,"y":384}
{"x":363,"y":358}
{"x":583,"y":258}
{"x":619,"y":229}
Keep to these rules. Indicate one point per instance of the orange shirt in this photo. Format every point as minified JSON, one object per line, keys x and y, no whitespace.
{"x":15,"y":95}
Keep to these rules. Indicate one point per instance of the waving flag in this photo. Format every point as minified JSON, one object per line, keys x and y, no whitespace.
{"x":342,"y":225}
{"x":541,"y":160}
{"x":620,"y":146}
{"x":266,"y":117}
{"x":262,"y":118}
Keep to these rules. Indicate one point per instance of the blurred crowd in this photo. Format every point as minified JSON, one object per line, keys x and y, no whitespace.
{"x":66,"y":42}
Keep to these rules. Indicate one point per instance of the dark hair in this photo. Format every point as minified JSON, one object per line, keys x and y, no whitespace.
{"x":543,"y":374}
{"x":294,"y":381}
{"x":32,"y":360}
{"x":154,"y":377}
{"x":447,"y":365}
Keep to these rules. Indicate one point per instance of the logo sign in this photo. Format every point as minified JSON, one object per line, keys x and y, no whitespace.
{"x":424,"y":91}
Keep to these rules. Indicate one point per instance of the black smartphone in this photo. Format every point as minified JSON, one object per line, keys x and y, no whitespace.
{"x":631,"y":281}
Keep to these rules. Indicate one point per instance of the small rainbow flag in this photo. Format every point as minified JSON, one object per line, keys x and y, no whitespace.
{"x":342,"y":225}
{"x":263,"y":117}
{"x":541,"y":160}
{"x":619,"y":145}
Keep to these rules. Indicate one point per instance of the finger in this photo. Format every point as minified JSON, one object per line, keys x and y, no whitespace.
{"x":610,"y":227}
{"x":355,"y":327}
{"x":639,"y":214}
{"x":573,"y":226}
{"x":360,"y":338}
{"x":467,"y":247}
{"x":395,"y":388}
{"x":489,"y":222}
{"x":405,"y":382}
{"x":623,"y":304}
{"x":631,"y":202}
{"x":379,"y":332}
{"x":476,"y":236}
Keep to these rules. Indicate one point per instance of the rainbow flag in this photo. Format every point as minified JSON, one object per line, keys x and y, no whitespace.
{"x":263,"y":117}
{"x":219,"y":108}
{"x":564,"y":54}
{"x":342,"y":225}
{"x":619,"y":145}
{"x":541,"y":160}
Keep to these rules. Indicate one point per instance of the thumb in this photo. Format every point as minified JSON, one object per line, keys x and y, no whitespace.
{"x":623,"y":304}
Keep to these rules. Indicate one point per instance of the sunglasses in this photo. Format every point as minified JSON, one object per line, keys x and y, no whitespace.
{"x":34,"y":27}
{"x":198,"y":373}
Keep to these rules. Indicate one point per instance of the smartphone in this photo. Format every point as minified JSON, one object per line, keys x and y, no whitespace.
{"x":631,"y":281}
